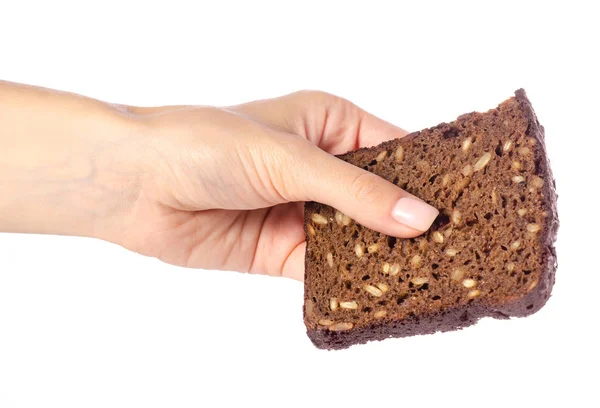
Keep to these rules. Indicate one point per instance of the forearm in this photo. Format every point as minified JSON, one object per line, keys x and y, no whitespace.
{"x":67,"y":163}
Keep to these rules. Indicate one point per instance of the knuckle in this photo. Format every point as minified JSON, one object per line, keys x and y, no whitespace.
{"x":317,"y":95}
{"x":366,"y":188}
{"x":282,"y":167}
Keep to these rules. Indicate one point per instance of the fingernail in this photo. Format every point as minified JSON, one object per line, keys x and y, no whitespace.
{"x":414,"y":213}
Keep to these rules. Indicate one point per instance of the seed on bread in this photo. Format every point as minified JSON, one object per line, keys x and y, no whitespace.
{"x":537,"y":182}
{"x":342,"y":219}
{"x":309,"y":308}
{"x":373,"y":248}
{"x":351,"y":305}
{"x":341,"y":326}
{"x":416,"y":261}
{"x":383,"y":287}
{"x":445,"y":180}
{"x":474,"y":293}
{"x":373,"y":290}
{"x":381,"y":156}
{"x":399,"y":155}
{"x":482,"y":162}
{"x":456,"y":217}
{"x":325,"y":322}
{"x":467,"y":170}
{"x":419,"y":281}
{"x":359,"y":249}
{"x":457,"y":274}
{"x":469,"y":283}
{"x":466,"y":144}
{"x":338,"y":217}
{"x":318,"y":219}
{"x":524,"y":151}
{"x":451,"y":252}
{"x":533,"y":285}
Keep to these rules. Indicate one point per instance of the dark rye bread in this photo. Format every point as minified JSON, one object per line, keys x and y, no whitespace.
{"x":489,"y":253}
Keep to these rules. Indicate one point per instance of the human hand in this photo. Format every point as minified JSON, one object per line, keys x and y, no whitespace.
{"x":223,"y":187}
{"x":213,"y":188}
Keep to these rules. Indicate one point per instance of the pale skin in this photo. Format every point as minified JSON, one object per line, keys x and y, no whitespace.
{"x":197,"y":186}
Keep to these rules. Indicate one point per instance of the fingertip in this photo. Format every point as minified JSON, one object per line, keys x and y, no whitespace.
{"x":293,"y":267}
{"x":414,"y":213}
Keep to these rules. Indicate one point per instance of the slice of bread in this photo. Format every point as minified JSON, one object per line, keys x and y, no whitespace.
{"x":489,"y":253}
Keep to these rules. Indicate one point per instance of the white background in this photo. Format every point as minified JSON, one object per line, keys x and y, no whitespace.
{"x":84,"y":323}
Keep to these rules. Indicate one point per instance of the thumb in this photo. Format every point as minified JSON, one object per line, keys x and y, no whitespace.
{"x":367,"y":198}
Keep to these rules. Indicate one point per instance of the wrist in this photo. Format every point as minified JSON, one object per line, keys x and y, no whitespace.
{"x":74,"y":170}
{"x":116,"y":173}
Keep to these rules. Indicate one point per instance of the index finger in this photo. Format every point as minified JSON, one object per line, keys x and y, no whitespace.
{"x":334,"y":124}
{"x":375,"y":131}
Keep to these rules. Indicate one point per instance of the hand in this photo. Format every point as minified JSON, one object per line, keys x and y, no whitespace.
{"x":227,"y":185}
{"x":213,"y":188}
